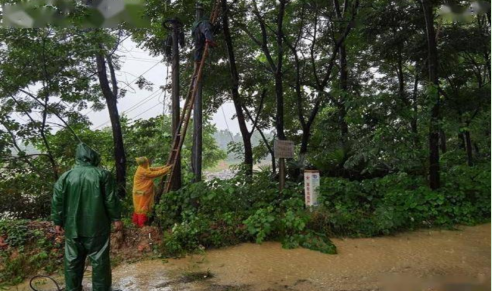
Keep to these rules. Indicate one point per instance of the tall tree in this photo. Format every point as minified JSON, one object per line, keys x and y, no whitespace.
{"x":304,"y":46}
{"x":236,"y":98}
{"x":275,"y":59}
{"x":110,"y":94}
{"x":428,"y":7}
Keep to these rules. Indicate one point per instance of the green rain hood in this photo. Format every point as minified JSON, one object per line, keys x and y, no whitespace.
{"x":84,"y":198}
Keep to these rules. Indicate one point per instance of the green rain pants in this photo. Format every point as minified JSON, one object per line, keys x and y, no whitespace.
{"x":76,"y":251}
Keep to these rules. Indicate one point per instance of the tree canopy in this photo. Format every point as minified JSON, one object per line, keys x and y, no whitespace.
{"x":364,"y":88}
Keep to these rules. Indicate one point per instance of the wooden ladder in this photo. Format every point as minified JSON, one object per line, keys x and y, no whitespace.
{"x":180,"y":134}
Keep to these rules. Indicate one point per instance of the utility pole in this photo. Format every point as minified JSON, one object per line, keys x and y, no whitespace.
{"x":197,"y":119}
{"x":176,"y":29}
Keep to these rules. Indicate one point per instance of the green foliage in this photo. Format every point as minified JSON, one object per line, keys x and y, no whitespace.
{"x":400,"y":201}
{"x":29,"y":249}
{"x":15,"y":232}
{"x":310,"y":240}
{"x":221,"y":213}
{"x":29,"y":197}
{"x":260,"y":224}
{"x":368,"y":134}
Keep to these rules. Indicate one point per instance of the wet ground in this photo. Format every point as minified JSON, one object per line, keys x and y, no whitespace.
{"x":422,"y":260}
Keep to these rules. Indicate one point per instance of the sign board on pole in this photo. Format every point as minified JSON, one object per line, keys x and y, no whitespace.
{"x":311,"y":187}
{"x":284,"y":149}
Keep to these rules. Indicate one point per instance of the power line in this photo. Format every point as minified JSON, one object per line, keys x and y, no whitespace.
{"x":140,"y":59}
{"x":143,"y":112}
{"x":145,"y":100}
{"x":127,"y":85}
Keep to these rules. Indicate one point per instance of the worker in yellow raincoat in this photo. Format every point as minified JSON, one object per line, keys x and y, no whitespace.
{"x":143,"y":189}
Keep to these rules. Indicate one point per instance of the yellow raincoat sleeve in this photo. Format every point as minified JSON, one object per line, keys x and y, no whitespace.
{"x":149,"y":173}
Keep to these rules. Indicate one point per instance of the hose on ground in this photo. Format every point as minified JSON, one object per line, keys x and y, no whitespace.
{"x":42,"y":276}
{"x":58,"y":288}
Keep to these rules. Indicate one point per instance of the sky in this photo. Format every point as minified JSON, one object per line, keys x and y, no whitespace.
{"x":140,"y":103}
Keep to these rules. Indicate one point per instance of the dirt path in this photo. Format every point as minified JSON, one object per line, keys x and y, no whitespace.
{"x":421,"y":260}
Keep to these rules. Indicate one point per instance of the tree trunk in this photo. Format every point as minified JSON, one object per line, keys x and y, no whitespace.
{"x":442,"y":141}
{"x":461,"y":137}
{"x":469,"y":149}
{"x":279,"y":90}
{"x":434,"y":171}
{"x":111,"y":102}
{"x":342,"y":112}
{"x":401,"y":78}
{"x":279,"y":119}
{"x":306,"y":135}
{"x":248,"y":149}
{"x":48,"y":149}
{"x":414,"y":122}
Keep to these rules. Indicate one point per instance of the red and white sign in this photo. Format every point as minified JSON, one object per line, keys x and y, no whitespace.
{"x":311,"y":187}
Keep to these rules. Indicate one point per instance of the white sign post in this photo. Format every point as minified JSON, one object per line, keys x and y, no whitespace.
{"x":311,"y":187}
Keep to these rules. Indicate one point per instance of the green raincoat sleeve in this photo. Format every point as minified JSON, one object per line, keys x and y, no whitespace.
{"x":111,"y":200}
{"x":57,"y":203}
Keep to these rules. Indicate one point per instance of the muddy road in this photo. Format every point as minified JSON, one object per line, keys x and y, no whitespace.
{"x":420,"y":260}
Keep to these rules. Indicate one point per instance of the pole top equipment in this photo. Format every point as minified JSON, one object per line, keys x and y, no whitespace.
{"x":171,"y":21}
{"x":199,"y":5}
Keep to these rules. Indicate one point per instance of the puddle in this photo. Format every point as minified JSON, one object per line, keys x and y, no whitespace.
{"x":423,"y":260}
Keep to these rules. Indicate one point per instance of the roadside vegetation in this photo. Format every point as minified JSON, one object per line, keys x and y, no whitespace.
{"x":389,"y":100}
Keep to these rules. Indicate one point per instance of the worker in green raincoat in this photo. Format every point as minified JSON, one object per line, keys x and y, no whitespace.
{"x":83,"y":207}
{"x":202,"y":33}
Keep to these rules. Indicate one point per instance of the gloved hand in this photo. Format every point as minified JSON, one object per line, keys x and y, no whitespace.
{"x":211,"y":43}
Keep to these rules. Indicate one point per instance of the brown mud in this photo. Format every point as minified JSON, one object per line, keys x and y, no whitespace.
{"x":431,"y":260}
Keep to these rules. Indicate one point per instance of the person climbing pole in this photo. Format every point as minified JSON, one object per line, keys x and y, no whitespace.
{"x":83,"y":206}
{"x":202,"y":33}
{"x":143,"y":189}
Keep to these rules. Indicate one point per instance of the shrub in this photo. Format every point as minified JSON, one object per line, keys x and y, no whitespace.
{"x":399,"y":201}
{"x":221,"y":213}
{"x":29,"y":249}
